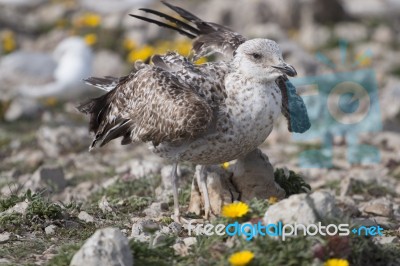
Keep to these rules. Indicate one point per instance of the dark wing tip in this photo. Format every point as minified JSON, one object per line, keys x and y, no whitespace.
{"x":162,"y":24}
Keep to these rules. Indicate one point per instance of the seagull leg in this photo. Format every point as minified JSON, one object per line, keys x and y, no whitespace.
{"x":177,"y":215}
{"x":202,"y":181}
{"x":174,"y":175}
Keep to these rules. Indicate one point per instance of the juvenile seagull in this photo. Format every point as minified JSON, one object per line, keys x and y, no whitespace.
{"x":205,"y":114}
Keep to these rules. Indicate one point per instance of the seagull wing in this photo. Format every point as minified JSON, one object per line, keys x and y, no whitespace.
{"x":207,"y":80}
{"x":209,"y":38}
{"x":150,"y":105}
{"x":293,"y":107}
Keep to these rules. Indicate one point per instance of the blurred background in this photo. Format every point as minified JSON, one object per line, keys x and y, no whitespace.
{"x":48,"y":47}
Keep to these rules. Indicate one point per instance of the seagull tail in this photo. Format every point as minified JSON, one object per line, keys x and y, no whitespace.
{"x":106,"y":83}
{"x":180,"y":26}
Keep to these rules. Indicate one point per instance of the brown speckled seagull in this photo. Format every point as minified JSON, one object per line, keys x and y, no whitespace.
{"x":205,"y":114}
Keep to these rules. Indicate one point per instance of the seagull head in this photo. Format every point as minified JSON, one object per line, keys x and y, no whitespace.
{"x":261,"y":59}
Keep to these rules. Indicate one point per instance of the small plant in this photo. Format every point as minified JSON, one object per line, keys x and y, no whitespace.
{"x":291,"y":182}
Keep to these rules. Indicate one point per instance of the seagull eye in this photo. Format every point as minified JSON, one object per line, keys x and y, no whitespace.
{"x":256,"y":55}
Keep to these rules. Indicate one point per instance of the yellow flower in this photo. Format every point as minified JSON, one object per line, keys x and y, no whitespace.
{"x":272,"y":200}
{"x":163,"y":46}
{"x":201,"y":60}
{"x":225,"y":165}
{"x":183,"y":47}
{"x":140,"y":54}
{"x":88,"y":20}
{"x":51,"y":101}
{"x":336,"y":262}
{"x":241,"y":258}
{"x":129,"y":44}
{"x":8,"y":41}
{"x":90,"y":38}
{"x":234,"y":210}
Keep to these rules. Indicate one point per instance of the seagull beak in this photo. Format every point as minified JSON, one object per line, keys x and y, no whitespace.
{"x":286,"y":69}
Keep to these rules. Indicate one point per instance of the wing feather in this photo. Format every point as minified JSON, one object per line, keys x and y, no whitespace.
{"x":209,"y":38}
{"x":151,"y":106}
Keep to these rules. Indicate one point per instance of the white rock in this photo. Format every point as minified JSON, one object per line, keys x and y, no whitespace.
{"x":22,"y":108}
{"x":302,"y":208}
{"x":313,"y":36}
{"x":189,"y":241}
{"x":20,"y":207}
{"x":104,"y":205}
{"x":156,"y":209}
{"x":106,"y":246}
{"x":351,"y":32}
{"x":383,"y":34}
{"x":385,"y":240}
{"x":62,"y":139}
{"x":381,"y":207}
{"x":158,"y":239}
{"x":86,"y":217}
{"x":50,"y":230}
{"x":51,"y":177}
{"x":253,"y":177}
{"x":4,"y":237}
{"x":142,"y":229}
{"x":141,"y":168}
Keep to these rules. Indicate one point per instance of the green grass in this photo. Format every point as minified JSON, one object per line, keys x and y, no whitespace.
{"x":161,"y":255}
{"x":371,"y":189}
{"x":64,"y":255}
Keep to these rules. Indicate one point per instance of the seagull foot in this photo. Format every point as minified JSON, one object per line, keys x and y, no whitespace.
{"x":179,"y":219}
{"x":209,"y":215}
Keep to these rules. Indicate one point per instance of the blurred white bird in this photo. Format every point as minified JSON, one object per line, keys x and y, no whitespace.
{"x":39,"y":75}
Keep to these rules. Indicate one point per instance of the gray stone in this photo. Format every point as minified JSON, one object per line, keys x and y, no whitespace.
{"x":189,"y":241}
{"x":143,"y":228}
{"x":346,"y":186}
{"x":385,"y":222}
{"x":253,"y":177}
{"x":50,"y":230}
{"x":159,"y":239}
{"x":141,"y":168}
{"x":348,"y":206}
{"x":106,"y":246}
{"x":156,"y":209}
{"x":50,"y":177}
{"x":4,"y":237}
{"x":351,"y":32}
{"x":383,"y":34}
{"x":20,"y":208}
{"x":22,"y":108}
{"x":303,"y":208}
{"x":363,"y":222}
{"x":380,"y":207}
{"x":104,"y":205}
{"x":63,"y":139}
{"x":86,"y":217}
{"x":383,"y":240}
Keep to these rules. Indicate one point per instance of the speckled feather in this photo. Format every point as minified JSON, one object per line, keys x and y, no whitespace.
{"x":206,"y":114}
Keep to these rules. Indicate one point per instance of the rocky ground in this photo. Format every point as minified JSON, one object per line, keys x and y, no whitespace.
{"x":59,"y":204}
